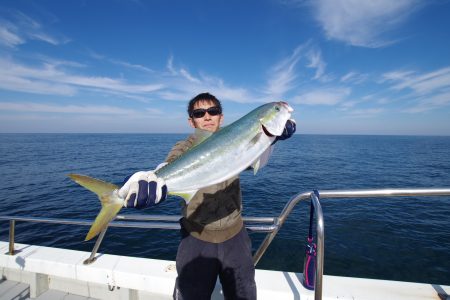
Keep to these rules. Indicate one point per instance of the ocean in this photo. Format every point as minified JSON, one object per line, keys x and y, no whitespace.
{"x":406,"y":239}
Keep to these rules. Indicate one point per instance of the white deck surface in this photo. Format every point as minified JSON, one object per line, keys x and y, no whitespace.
{"x":53,"y":270}
{"x":13,"y":290}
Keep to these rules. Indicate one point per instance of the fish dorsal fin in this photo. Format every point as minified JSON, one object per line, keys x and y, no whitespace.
{"x":186,"y":195}
{"x":200,"y":135}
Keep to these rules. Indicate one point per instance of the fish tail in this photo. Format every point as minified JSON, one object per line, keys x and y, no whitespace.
{"x":111,"y":203}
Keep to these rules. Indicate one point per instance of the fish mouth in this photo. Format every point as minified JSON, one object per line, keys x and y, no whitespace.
{"x":287,"y":106}
{"x":266,"y":132}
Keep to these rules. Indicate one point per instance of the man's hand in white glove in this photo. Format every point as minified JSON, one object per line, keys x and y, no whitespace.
{"x":143,"y":189}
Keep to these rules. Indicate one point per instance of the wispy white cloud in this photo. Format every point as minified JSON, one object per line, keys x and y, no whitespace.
{"x":46,"y":108}
{"x":111,"y":84}
{"x":182,"y":84}
{"x":362,"y":23}
{"x":118,"y":62}
{"x":7,"y":35}
{"x":50,"y":79}
{"x":349,"y":104}
{"x":284,"y":74}
{"x":399,"y":75}
{"x":364,"y":113}
{"x":25,"y":85}
{"x":429,"y":103}
{"x":316,"y":62}
{"x":326,"y":96}
{"x":354,"y":77}
{"x":57,"y":62}
{"x":170,"y":66}
{"x":426,"y":91}
{"x":422,"y":84}
{"x":180,"y":72}
{"x":51,"y":76}
{"x":133,"y":66}
{"x":54,"y":77}
{"x":383,"y":100}
{"x":72,"y":109}
{"x":19,"y":28}
{"x":185,"y":74}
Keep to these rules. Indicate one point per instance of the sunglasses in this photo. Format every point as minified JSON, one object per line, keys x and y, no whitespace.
{"x":200,"y":113}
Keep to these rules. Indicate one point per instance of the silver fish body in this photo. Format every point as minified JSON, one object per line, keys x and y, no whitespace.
{"x":227,"y":152}
{"x":214,"y":158}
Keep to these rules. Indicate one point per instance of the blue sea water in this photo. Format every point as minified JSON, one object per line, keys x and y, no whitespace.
{"x":405,"y":239}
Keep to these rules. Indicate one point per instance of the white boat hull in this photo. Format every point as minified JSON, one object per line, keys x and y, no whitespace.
{"x":121,"y":277}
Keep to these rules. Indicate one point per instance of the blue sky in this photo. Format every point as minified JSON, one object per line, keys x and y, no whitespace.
{"x":345,"y":66}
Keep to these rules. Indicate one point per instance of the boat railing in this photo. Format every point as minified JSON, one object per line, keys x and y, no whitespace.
{"x":269,"y":225}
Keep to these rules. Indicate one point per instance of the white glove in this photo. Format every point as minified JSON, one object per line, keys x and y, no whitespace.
{"x":143,"y":189}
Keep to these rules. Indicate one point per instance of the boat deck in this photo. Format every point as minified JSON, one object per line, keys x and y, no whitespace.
{"x":14,"y":290}
{"x":38,"y":272}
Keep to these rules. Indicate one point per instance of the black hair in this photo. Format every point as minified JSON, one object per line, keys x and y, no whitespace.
{"x":203,"y":97}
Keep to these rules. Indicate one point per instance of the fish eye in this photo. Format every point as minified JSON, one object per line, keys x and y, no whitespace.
{"x":277,"y":108}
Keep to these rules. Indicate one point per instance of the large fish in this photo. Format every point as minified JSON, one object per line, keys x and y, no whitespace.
{"x":214,"y":157}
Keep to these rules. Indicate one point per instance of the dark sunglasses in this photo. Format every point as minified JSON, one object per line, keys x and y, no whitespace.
{"x":200,"y":113}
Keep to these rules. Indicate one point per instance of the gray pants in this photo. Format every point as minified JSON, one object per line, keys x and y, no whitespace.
{"x":199,"y":263}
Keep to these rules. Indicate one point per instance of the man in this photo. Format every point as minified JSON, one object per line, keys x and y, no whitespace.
{"x":214,"y":241}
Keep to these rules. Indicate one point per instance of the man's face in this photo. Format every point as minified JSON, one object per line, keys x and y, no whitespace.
{"x":207,"y":122}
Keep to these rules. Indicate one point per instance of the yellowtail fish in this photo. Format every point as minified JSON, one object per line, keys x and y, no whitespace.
{"x":214,"y":158}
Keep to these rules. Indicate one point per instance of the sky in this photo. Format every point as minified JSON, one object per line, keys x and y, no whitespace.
{"x":131,"y":66}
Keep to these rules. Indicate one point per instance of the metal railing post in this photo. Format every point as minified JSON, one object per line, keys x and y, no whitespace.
{"x":92,"y":258}
{"x":320,"y":246}
{"x":278,"y":223}
{"x":12,"y":225}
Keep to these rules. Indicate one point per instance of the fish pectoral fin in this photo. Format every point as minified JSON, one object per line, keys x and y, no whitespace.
{"x":254,"y":140}
{"x":262,"y":160}
{"x":186,"y":195}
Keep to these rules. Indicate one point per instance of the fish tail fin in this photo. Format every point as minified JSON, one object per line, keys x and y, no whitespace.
{"x":111,"y":203}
